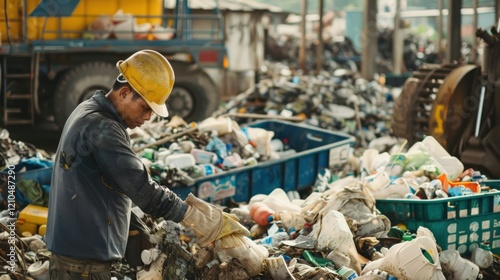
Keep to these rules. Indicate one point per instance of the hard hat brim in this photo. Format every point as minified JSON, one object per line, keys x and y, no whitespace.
{"x":160,"y":110}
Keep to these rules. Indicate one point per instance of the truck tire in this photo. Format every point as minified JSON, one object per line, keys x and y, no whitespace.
{"x":194,"y":96}
{"x":401,"y":122}
{"x":79,"y":84}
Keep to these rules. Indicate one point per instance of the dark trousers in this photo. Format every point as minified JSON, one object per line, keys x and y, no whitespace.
{"x":65,"y":268}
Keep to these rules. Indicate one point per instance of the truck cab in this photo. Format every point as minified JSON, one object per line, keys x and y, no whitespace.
{"x":55,"y":54}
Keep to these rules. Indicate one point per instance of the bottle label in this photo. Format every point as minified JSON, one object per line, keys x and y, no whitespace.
{"x":347,"y":273}
{"x":352,"y":276}
{"x":209,"y":169}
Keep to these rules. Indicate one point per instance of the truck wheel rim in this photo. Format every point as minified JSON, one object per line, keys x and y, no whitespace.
{"x":180,"y":103}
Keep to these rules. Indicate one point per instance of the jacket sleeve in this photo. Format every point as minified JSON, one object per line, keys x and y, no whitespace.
{"x":124,"y":171}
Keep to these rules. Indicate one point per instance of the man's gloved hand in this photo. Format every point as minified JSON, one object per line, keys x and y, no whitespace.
{"x":208,"y":222}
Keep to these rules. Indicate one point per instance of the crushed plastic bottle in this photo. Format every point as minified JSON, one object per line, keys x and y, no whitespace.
{"x":482,"y":255}
{"x":275,"y":239}
{"x":457,"y":267}
{"x":217,"y":146}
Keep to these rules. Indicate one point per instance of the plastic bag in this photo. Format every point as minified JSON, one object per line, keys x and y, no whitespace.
{"x":416,"y":159}
{"x":262,"y":139}
{"x":101,"y":27}
{"x":333,"y":234}
{"x":241,"y":248}
{"x":357,"y":203}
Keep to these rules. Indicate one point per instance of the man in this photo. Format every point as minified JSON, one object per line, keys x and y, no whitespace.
{"x":97,"y":177}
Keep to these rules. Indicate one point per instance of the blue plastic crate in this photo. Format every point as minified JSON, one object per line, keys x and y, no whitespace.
{"x":458,"y":223}
{"x":315,"y":147}
{"x":41,"y":175}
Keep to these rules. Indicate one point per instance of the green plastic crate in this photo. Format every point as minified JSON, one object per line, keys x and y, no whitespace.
{"x":458,"y":223}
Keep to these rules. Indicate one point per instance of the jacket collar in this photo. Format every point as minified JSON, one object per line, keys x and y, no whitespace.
{"x":101,"y":99}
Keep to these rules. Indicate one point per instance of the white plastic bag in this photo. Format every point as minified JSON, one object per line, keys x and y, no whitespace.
{"x":262,"y":139}
{"x":279,"y":201}
{"x":241,"y":248}
{"x":333,"y":234}
{"x":101,"y":27}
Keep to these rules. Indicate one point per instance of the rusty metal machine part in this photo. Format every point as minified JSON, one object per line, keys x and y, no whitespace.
{"x":455,"y":103}
{"x":480,"y":147}
{"x":412,"y":110}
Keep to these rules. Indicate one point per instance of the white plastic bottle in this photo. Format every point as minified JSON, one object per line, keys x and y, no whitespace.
{"x":203,"y":157}
{"x":482,"y":255}
{"x":460,"y":268}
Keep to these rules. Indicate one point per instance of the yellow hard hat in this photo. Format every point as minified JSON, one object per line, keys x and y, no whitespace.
{"x":150,"y":74}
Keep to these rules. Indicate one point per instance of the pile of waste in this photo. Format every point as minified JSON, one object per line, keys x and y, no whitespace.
{"x":178,"y":153}
{"x":338,"y":229}
{"x":12,"y":152}
{"x":340,"y":101}
{"x":334,"y":234}
{"x":339,"y":52}
{"x":20,"y":157}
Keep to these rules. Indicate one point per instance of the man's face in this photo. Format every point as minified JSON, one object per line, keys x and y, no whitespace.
{"x":133,"y":111}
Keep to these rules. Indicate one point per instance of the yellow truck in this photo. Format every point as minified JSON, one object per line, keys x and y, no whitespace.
{"x":55,"y":53}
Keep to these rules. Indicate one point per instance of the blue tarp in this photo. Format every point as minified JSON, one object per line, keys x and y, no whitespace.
{"x":55,"y":8}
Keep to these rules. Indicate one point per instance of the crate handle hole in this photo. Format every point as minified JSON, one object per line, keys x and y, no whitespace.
{"x":316,"y":138}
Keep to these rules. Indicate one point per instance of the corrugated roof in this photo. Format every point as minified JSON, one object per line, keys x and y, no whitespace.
{"x":232,"y":5}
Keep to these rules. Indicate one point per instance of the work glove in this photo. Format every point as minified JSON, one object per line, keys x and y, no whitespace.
{"x":208,"y":222}
{"x":230,"y":225}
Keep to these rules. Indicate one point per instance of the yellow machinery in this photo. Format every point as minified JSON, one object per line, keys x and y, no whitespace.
{"x":74,"y":25}
{"x":55,"y":54}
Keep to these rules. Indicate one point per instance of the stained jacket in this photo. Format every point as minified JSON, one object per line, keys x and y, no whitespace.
{"x":95,"y":180}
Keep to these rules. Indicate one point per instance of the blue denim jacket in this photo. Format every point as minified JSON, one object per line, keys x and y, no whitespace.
{"x":95,"y":180}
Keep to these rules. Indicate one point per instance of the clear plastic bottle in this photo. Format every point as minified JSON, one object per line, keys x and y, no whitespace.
{"x":217,"y":146}
{"x":275,"y":239}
